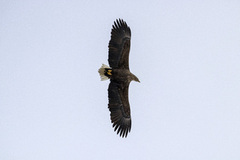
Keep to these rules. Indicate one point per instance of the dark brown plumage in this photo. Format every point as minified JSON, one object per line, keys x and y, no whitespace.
{"x":120,"y":77}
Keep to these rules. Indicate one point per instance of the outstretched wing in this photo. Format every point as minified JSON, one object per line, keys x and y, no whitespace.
{"x":119,"y":45}
{"x":119,"y":107}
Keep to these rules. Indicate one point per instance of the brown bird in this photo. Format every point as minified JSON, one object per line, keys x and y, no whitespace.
{"x":120,"y":77}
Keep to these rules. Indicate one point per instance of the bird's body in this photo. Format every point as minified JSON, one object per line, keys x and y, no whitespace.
{"x":120,"y":77}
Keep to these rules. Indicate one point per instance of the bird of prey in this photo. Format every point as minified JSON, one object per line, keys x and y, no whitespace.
{"x":120,"y":77}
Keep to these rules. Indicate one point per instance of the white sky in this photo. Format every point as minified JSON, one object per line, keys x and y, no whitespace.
{"x":54,"y":106}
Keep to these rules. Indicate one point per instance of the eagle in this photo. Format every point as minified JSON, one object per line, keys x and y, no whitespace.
{"x":120,"y":77}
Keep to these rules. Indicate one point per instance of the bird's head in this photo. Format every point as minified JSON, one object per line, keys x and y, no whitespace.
{"x":135,"y":78}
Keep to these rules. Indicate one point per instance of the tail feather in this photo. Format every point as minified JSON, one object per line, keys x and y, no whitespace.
{"x":101,"y":71}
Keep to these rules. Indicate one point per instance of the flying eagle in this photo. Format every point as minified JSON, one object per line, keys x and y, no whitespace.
{"x":120,"y":77}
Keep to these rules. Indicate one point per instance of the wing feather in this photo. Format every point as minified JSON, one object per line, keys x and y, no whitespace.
{"x":119,"y":45}
{"x":119,"y":107}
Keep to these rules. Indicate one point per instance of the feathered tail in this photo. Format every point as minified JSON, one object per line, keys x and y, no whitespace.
{"x":102,"y":70}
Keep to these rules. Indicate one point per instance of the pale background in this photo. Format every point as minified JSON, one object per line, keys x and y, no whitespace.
{"x":53,"y":105}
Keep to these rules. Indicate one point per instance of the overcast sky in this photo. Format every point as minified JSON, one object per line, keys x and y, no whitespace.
{"x":53,"y":105}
